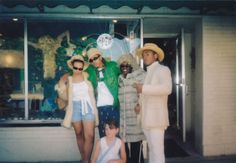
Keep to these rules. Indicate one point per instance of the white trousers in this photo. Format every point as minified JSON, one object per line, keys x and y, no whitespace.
{"x":155,"y":140}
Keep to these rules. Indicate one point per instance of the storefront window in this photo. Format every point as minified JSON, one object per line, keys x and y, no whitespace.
{"x":11,"y":68}
{"x":50,"y":45}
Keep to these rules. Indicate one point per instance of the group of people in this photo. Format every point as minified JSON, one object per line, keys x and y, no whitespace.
{"x":128,"y":104}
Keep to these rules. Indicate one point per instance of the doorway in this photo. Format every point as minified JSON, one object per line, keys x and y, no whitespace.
{"x":174,"y":134}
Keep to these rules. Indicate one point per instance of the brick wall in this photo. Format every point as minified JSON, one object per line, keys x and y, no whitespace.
{"x":219,"y":86}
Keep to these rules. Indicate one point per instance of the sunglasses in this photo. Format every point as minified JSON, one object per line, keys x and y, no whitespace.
{"x":76,"y":68}
{"x":93,"y":59}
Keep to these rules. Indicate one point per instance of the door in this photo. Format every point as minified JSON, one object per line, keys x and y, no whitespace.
{"x":180,"y":85}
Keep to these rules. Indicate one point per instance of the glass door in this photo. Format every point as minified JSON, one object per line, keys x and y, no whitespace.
{"x":180,"y":85}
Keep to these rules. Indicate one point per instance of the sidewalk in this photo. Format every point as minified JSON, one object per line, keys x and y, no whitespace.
{"x":190,"y":159}
{"x":200,"y":159}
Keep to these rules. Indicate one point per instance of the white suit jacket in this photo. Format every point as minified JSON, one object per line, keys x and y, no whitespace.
{"x":156,"y":88}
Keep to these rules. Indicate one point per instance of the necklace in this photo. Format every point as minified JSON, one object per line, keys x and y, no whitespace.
{"x":100,"y":72}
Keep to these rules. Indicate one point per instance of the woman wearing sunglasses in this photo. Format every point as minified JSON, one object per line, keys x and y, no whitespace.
{"x":81,"y":110}
{"x":104,"y":76}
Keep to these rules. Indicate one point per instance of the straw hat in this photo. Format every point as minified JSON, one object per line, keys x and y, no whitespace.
{"x":129,"y":59}
{"x":76,"y":57}
{"x":92,"y":52}
{"x":153,"y":47}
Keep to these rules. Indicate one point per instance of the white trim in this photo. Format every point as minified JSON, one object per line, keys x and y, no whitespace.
{"x":26,"y":69}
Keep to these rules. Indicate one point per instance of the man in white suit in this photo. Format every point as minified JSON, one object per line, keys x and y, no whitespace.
{"x":153,"y":99}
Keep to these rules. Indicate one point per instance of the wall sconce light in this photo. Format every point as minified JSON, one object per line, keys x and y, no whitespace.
{"x":15,"y":19}
{"x":114,"y":21}
{"x":84,"y":38}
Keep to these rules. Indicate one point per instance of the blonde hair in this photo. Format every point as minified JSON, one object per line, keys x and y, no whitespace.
{"x":129,"y":59}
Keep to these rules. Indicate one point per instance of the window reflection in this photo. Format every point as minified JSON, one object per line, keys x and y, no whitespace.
{"x":11,"y":69}
{"x":50,"y":45}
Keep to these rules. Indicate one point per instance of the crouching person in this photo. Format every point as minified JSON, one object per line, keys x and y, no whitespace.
{"x":110,"y":148}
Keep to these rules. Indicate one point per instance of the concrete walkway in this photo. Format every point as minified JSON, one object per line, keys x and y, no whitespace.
{"x":190,"y":159}
{"x":199,"y":159}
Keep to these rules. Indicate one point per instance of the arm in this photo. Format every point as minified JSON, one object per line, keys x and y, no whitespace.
{"x":137,"y":108}
{"x":92,"y":76}
{"x":140,"y":78}
{"x":92,"y":96}
{"x":59,"y":39}
{"x":33,"y":45}
{"x":122,"y":155}
{"x":96,"y":152}
{"x":61,"y":87}
{"x":61,"y":36}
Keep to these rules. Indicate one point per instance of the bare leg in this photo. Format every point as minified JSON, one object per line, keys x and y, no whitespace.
{"x":78,"y":127}
{"x":88,"y":127}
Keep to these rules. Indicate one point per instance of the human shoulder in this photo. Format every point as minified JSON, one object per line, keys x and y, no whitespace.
{"x":102,"y":141}
{"x":161,"y":70}
{"x":112,"y":66}
{"x":99,"y":141}
{"x":85,"y":75}
{"x":88,"y":82}
{"x":138,"y":72}
{"x":158,"y":66}
{"x":90,"y":68}
{"x":119,"y":140}
{"x":164,"y":68}
{"x":111,"y":63}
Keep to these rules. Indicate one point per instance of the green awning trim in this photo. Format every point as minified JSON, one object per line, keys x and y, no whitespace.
{"x":135,"y":4}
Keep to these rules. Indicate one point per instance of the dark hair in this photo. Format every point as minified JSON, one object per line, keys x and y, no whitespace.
{"x":77,"y":60}
{"x":113,"y":124}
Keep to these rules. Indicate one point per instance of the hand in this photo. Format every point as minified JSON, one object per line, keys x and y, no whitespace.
{"x":64,"y":78}
{"x":137,"y":109}
{"x":138,"y":86}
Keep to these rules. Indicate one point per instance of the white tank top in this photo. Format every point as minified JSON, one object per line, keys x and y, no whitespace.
{"x":113,"y":153}
{"x":81,"y":93}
